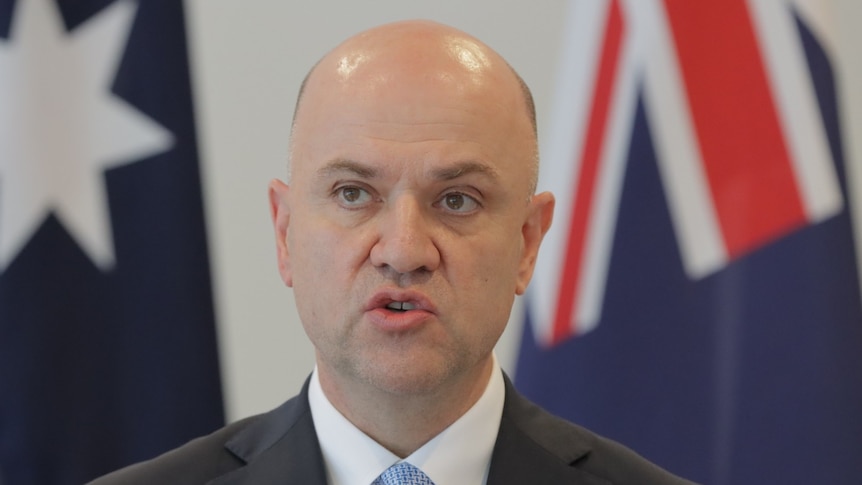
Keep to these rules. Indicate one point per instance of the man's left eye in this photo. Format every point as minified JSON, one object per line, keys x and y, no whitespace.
{"x":458,"y":202}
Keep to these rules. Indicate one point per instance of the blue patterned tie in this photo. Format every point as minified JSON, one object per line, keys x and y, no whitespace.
{"x":402,"y":474}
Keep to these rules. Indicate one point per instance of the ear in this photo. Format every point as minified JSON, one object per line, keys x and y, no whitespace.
{"x":539,"y":216}
{"x":280,"y":212}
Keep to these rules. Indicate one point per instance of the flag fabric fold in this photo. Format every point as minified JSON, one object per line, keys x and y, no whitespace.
{"x":714,"y":323}
{"x":107,"y":330}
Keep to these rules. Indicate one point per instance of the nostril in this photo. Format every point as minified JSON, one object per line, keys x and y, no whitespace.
{"x":406,"y":237}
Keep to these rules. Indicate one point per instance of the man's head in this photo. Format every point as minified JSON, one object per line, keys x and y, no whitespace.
{"x":410,"y":222}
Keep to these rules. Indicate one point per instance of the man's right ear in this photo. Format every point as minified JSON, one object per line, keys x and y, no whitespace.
{"x":280,"y":212}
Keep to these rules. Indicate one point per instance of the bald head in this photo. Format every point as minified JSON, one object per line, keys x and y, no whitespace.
{"x":427,"y":55}
{"x":412,"y":179}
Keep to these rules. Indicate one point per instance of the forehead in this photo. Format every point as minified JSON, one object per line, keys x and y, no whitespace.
{"x":454,"y":106}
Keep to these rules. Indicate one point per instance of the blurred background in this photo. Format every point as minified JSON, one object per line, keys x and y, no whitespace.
{"x":698,"y":298}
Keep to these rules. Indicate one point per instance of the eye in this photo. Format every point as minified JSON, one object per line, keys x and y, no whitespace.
{"x":459,"y":203}
{"x":352,"y":196}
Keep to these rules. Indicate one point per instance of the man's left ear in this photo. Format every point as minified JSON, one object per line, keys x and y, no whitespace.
{"x":539,"y":216}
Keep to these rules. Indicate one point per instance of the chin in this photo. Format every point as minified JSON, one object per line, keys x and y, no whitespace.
{"x":409,"y":378}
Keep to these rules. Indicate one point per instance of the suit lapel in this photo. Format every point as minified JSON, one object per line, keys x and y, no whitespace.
{"x":537,"y":448}
{"x":281,"y":447}
{"x":532,"y":447}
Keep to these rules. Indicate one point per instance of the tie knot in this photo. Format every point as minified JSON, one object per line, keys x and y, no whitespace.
{"x":403,"y":474}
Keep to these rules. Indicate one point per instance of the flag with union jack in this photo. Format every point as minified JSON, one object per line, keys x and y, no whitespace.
{"x":698,"y":297}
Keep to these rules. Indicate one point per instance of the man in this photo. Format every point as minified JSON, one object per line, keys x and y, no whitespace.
{"x":408,"y":226}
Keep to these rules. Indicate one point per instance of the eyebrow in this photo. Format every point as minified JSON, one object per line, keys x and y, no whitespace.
{"x":366,"y":171}
{"x":464,"y":168}
{"x":340,"y":165}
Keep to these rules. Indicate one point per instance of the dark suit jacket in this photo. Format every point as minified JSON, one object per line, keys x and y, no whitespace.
{"x":279,"y":447}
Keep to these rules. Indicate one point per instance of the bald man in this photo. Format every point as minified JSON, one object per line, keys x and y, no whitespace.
{"x":409,"y":223}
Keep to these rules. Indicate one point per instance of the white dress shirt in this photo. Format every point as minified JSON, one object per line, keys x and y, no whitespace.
{"x":459,"y":455}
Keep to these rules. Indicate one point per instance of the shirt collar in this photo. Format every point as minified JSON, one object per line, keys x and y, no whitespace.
{"x":459,"y":455}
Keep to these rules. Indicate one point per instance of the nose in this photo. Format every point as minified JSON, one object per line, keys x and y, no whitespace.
{"x":406,"y":241}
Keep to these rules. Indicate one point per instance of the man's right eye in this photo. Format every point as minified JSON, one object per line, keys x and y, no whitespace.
{"x":352,"y":195}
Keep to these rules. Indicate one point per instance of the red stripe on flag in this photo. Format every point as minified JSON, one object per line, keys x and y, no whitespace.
{"x":597,"y":131}
{"x":744,"y":152}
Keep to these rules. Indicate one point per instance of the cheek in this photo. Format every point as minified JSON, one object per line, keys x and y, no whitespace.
{"x":488,"y":272}
{"x":314,"y":260}
{"x":495,"y":260}
{"x":325,"y":260}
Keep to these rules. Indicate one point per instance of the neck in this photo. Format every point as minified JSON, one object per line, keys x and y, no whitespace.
{"x":404,"y":421}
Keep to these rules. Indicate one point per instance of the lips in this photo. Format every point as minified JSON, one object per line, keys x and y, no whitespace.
{"x":401,"y":306}
{"x":399,"y":310}
{"x":400,"y":300}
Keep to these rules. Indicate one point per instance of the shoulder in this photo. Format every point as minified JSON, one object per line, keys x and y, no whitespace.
{"x":529,"y":433}
{"x":198,"y":461}
{"x":228,"y":449}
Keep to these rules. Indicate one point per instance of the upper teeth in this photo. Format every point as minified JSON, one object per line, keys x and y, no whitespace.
{"x":401,"y":305}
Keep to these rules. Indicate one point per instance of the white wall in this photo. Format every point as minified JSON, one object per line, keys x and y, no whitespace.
{"x":249,"y":57}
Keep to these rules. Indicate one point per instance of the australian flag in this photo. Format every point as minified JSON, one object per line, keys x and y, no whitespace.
{"x":107,"y":335}
{"x":698,"y":298}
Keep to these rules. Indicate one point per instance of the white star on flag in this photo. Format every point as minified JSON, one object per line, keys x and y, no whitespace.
{"x":61,"y":127}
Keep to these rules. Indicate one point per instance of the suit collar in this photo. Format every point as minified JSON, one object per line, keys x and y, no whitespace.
{"x":282,"y":443}
{"x":532,"y":447}
{"x":535,"y":447}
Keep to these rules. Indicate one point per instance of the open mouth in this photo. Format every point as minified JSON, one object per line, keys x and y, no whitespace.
{"x":400,"y":306}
